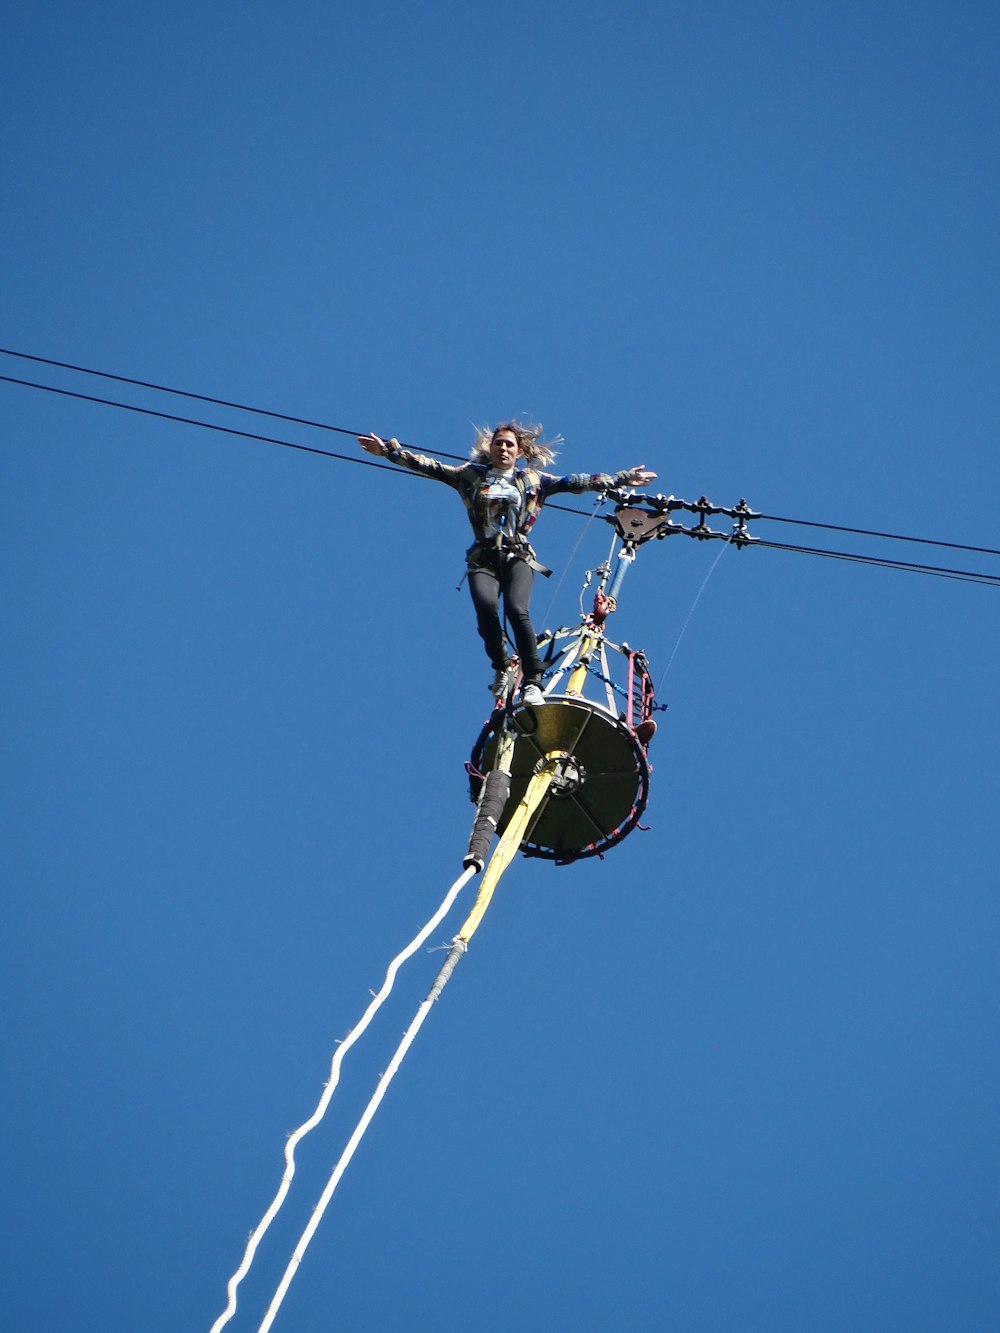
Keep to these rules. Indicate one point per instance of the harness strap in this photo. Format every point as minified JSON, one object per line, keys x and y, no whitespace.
{"x":507,"y":548}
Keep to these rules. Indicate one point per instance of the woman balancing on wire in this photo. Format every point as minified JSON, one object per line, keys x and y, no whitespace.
{"x":503,"y":500}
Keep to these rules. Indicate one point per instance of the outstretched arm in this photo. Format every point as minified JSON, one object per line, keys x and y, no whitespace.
{"x":595,"y":481}
{"x":393,"y":452}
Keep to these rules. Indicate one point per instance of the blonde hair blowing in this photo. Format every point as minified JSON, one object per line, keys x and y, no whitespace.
{"x":529,"y":442}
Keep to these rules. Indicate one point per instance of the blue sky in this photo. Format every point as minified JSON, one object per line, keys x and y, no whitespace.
{"x":742,"y":1073}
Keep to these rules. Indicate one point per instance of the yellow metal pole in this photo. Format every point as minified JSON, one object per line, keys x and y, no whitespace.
{"x":506,"y":848}
{"x":588,"y":643}
{"x":505,"y":749}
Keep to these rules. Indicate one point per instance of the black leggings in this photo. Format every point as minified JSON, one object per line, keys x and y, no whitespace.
{"x":514,"y":578}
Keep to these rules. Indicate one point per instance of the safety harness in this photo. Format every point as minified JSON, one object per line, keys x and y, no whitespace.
{"x":509,"y":545}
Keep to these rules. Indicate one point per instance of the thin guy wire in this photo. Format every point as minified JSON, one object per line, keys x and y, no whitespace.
{"x":584,"y":529}
{"x":687,"y":621}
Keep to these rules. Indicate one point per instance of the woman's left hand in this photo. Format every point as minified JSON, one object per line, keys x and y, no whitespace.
{"x":640,"y":476}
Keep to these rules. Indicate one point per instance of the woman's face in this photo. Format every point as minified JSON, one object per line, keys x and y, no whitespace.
{"x":504,"y":450}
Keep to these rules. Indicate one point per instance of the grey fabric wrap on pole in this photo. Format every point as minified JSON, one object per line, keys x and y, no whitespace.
{"x":492,"y":801}
{"x":444,"y":976}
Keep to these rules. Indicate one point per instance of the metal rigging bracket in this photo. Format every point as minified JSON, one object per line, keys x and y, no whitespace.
{"x":639,"y":518}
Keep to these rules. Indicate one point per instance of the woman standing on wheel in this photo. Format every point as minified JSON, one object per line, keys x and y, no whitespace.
{"x":503,"y":499}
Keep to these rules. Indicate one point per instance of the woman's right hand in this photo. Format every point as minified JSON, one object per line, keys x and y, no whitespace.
{"x":372,"y":444}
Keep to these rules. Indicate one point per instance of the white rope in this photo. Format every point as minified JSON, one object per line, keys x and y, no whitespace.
{"x":345,"y":1158}
{"x":505,"y":850}
{"x":297,"y":1135}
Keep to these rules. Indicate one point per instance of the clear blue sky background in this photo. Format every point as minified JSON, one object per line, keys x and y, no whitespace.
{"x":743,"y":1073}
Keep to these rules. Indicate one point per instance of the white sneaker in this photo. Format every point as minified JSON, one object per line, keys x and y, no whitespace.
{"x":532,"y":695}
{"x":501,"y":681}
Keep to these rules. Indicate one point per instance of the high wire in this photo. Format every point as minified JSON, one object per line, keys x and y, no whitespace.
{"x":972,"y":576}
{"x":179,"y":393}
{"x":886,"y":536}
{"x":187,"y":421}
{"x":882,"y":562}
